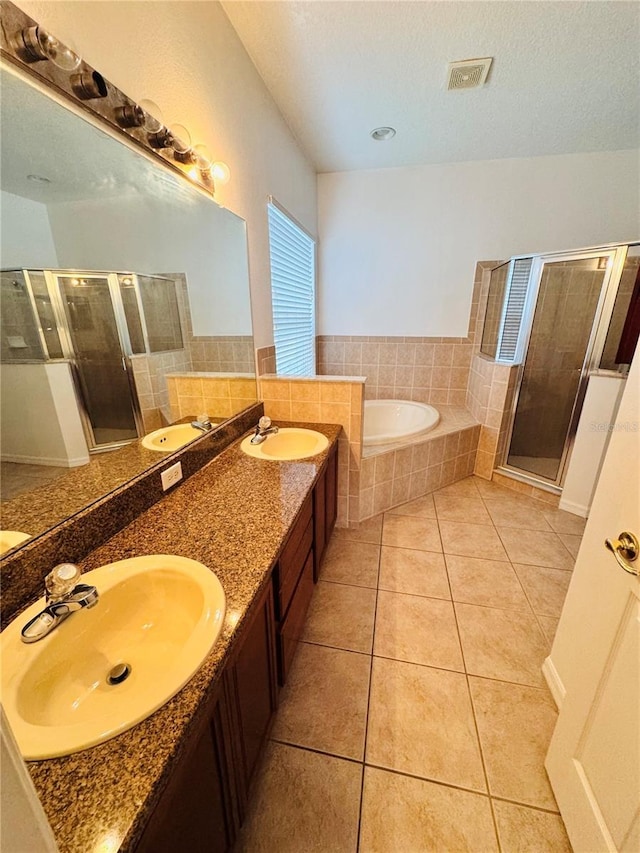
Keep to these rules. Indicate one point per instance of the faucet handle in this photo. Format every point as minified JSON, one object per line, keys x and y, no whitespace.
{"x":264,"y":422}
{"x":61,"y":580}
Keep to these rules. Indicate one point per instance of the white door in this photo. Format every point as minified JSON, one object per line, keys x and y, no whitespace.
{"x":594,"y":757}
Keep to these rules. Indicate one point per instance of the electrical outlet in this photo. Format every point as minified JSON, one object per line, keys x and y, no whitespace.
{"x":171,"y":476}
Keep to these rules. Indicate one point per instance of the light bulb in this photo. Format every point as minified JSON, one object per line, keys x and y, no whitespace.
{"x":220,"y":172}
{"x":180,"y":138}
{"x":153,"y":121}
{"x":60,"y":54}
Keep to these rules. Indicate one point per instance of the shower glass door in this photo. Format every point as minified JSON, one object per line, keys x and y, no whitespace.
{"x":568,"y":304}
{"x":96,"y":350}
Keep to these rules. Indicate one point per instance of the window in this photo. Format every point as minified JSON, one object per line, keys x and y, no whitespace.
{"x":293,"y":286}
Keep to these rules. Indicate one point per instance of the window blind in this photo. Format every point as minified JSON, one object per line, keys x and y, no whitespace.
{"x":518,"y":287}
{"x":292,"y":253}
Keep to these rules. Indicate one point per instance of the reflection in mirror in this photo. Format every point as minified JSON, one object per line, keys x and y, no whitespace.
{"x":124,"y":309}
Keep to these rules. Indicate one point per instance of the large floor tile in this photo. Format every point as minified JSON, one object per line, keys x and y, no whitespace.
{"x":461,"y":508}
{"x":410,"y":815}
{"x":565,"y":522}
{"x":535,"y":548}
{"x":503,"y":644}
{"x":303,"y":801}
{"x":405,"y":531}
{"x":524,"y":515}
{"x":471,"y":540}
{"x":417,"y":629}
{"x":341,"y":616}
{"x":515,"y":725}
{"x":571,"y":542}
{"x":545,"y":588}
{"x":463,"y":488}
{"x":423,"y":507}
{"x":491,"y":583}
{"x":413,"y":572}
{"x":524,"y":830}
{"x":421,"y":722}
{"x":367,"y":531}
{"x":351,"y":562}
{"x":324,"y":704}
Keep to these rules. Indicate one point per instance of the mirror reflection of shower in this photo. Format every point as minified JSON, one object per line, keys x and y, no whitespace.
{"x":66,"y":340}
{"x":561,"y":318}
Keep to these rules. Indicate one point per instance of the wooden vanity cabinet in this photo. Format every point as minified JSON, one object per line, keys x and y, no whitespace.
{"x":205,"y":800}
{"x":325,"y":508}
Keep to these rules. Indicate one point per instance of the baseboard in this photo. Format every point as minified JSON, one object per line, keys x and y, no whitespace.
{"x":554,"y":682}
{"x":576,"y":509}
{"x":54,"y":461}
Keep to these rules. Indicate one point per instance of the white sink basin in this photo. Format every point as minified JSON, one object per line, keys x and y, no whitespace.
{"x":288,"y":444}
{"x":159,"y":614}
{"x":10,"y":538}
{"x":171,"y":438}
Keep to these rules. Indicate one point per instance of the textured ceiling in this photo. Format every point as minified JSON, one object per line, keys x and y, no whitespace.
{"x":565,"y":77}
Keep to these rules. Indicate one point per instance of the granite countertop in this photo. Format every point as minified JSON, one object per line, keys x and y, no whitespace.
{"x":233,"y":516}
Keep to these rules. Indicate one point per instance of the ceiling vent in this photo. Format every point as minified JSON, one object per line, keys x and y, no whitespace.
{"x":468,"y":73}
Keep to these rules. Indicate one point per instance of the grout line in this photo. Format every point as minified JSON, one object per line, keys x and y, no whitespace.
{"x":526,"y":805}
{"x":366,"y":719}
{"x":475,"y":723}
{"x":316,"y":751}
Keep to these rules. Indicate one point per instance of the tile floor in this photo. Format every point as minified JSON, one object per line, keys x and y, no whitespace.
{"x":416,"y":717}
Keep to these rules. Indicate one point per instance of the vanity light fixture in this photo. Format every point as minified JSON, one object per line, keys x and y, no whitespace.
{"x":382,"y":134}
{"x":26,"y":44}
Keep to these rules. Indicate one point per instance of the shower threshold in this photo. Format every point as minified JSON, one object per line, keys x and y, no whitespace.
{"x":531,"y":479}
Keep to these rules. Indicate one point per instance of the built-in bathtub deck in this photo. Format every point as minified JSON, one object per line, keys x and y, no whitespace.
{"x":392,"y":474}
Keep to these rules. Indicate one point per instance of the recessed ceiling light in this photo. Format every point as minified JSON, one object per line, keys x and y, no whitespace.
{"x":381,"y":134}
{"x":38,"y":179}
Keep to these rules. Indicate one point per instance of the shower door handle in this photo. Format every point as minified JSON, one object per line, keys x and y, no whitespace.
{"x":625,"y":549}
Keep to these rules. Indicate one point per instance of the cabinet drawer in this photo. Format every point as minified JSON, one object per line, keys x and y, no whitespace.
{"x":294,"y":565}
{"x":293,"y":625}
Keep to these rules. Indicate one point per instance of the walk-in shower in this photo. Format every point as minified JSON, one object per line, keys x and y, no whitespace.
{"x":558,"y":318}
{"x":94,"y":321}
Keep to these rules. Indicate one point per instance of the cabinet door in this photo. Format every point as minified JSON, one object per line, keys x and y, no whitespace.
{"x":292,"y":627}
{"x":252,"y":679}
{"x":195,"y":811}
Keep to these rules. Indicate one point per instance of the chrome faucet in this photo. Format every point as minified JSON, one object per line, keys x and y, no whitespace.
{"x":263,"y":429}
{"x":203,"y":423}
{"x":64,"y":596}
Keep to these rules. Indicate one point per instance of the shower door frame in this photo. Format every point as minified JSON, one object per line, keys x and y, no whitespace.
{"x":616,"y":255}
{"x":66,"y":342}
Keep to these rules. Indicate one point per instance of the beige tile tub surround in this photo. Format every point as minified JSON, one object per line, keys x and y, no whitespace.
{"x":427,"y":370}
{"x":319,"y":399}
{"x":448,"y":731}
{"x":393,"y":474}
{"x":218,"y":395}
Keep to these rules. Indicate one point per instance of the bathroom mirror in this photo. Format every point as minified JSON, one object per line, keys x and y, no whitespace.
{"x":125,"y":308}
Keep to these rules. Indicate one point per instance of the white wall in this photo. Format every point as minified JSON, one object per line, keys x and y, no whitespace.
{"x":187,"y":57}
{"x":398,"y":247}
{"x":25,"y":233}
{"x":40,"y":422}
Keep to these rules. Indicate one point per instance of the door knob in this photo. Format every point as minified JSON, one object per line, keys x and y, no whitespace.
{"x":625,"y":549}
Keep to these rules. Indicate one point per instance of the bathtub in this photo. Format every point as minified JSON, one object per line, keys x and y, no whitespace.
{"x":386,"y":421}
